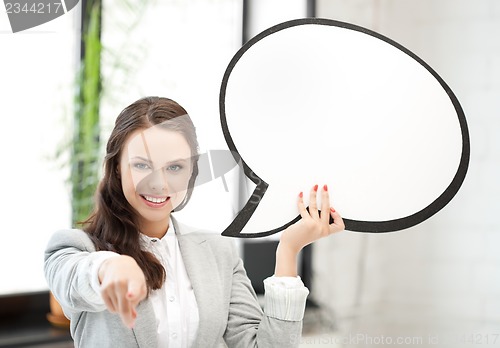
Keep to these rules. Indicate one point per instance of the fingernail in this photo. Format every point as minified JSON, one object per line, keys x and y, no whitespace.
{"x":301,"y":194}
{"x":325,"y":188}
{"x":315,"y":187}
{"x":332,"y":210}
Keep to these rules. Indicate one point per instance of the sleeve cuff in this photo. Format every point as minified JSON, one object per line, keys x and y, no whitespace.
{"x":97,"y":259}
{"x":285,"y":298}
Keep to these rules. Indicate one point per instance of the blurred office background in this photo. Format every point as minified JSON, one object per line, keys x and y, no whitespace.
{"x":434,"y":285}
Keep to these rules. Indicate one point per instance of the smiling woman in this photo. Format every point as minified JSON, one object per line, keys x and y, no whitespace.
{"x":155,"y":168}
{"x":167,"y":282}
{"x":155,"y":132}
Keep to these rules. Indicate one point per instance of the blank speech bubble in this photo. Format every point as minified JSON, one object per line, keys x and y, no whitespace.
{"x":317,"y":101}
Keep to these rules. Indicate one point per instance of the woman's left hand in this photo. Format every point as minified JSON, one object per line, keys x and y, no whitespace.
{"x":313,"y":225}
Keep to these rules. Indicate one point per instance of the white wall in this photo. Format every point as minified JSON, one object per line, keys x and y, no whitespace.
{"x":444,"y":274}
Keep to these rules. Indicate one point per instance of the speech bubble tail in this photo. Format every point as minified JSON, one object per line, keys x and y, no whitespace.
{"x":245,"y":214}
{"x":232,"y":231}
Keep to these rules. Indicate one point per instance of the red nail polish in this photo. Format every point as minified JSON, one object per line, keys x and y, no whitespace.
{"x":325,"y":188}
{"x":332,"y":210}
{"x":316,"y":188}
{"x":301,"y":195}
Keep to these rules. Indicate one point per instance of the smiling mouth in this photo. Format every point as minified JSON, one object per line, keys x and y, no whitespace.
{"x":155,"y":200}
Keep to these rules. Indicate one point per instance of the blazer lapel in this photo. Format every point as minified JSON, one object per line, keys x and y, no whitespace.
{"x":203,"y":272}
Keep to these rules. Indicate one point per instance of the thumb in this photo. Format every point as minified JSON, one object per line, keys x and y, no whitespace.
{"x":336,"y":221}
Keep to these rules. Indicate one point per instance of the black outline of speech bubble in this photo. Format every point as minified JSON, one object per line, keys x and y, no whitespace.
{"x":235,"y":228}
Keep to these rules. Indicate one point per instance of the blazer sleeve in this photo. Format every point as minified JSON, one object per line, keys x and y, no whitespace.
{"x":249,"y":326}
{"x":71,"y":266}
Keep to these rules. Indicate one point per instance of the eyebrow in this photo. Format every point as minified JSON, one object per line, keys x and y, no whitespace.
{"x":182,"y":160}
{"x":142,"y":159}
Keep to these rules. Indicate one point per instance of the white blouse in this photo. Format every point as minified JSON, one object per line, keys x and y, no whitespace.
{"x":174,"y":304}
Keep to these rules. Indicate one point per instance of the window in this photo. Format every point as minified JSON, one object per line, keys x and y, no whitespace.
{"x":36,"y":73}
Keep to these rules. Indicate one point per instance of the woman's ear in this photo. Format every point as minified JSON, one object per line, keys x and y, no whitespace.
{"x":117,"y":171}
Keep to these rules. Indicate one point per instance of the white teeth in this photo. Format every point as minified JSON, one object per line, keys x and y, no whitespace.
{"x":155,"y":200}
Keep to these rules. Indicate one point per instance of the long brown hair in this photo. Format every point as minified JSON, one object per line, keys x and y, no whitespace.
{"x":113,"y":224}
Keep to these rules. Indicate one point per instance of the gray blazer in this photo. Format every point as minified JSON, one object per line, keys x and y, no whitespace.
{"x":228,"y":308}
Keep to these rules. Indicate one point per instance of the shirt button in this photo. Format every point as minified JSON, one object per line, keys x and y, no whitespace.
{"x":174,"y":335}
{"x":171,"y":299}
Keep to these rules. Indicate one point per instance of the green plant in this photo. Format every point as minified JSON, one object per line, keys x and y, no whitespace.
{"x":86,"y":138}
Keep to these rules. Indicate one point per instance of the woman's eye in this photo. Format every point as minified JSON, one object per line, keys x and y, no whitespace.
{"x":174,"y":168}
{"x":141,"y":166}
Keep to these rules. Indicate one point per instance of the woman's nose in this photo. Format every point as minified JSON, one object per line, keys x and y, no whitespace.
{"x":158,"y":181}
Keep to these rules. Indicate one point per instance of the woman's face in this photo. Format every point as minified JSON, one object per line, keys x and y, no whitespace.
{"x":155,"y":168}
